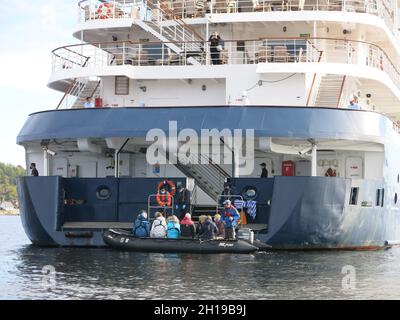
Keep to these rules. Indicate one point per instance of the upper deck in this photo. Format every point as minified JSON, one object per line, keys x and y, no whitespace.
{"x":226,"y":11}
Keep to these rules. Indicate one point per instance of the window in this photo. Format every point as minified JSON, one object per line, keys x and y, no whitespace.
{"x":121,"y":86}
{"x":378,"y":197}
{"x":354,"y":196}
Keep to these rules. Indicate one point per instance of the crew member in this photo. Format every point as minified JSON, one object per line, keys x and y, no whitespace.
{"x":182,"y":200}
{"x":34,"y":172}
{"x":264,"y":173}
{"x":231,"y":216}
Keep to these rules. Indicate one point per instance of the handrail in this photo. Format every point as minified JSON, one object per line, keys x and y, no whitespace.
{"x":341,"y":91}
{"x":234,"y":40}
{"x":374,"y":7}
{"x":313,"y":82}
{"x":182,"y":23}
{"x":375,"y":56}
{"x":72,"y":85}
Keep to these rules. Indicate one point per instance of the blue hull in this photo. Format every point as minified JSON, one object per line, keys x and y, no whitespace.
{"x":304,"y":212}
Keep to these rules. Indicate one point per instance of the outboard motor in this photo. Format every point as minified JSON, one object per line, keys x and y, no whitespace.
{"x":246,"y":234}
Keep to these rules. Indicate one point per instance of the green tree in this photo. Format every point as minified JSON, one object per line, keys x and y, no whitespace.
{"x":8,"y":181}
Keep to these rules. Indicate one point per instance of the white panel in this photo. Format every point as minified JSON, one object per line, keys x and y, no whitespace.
{"x":373,"y":165}
{"x":59,"y":167}
{"x":88,"y":169}
{"x":354,"y":167}
{"x":140,"y":167}
{"x":303,"y":168}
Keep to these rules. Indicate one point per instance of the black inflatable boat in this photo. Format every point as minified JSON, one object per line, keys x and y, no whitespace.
{"x":123,"y":240}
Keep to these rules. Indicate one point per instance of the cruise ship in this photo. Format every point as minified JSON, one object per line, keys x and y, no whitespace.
{"x":311,"y":86}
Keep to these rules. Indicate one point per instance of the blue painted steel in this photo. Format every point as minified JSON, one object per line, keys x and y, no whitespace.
{"x":47,"y":203}
{"x":305,"y":212}
{"x":266,"y":121}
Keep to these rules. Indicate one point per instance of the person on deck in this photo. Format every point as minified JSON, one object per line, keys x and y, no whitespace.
{"x":159,"y":227}
{"x":226,"y":194}
{"x":354,"y":104}
{"x":231,"y":216}
{"x":264,"y":173}
{"x":88,"y":104}
{"x":34,"y":172}
{"x":182,"y":200}
{"x":164,"y":199}
{"x":173,"y":228}
{"x":215,"y":48}
{"x":141,"y":226}
{"x":188,"y":228}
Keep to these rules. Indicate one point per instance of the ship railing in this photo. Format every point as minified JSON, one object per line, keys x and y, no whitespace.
{"x":154,"y":14}
{"x":186,"y":9}
{"x":267,"y":50}
{"x":289,"y":50}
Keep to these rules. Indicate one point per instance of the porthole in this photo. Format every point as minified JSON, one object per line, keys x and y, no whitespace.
{"x":103,"y":193}
{"x":395,"y":198}
{"x":249,"y":193}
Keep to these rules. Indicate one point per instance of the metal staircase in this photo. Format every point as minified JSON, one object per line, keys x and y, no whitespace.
{"x":90,"y":89}
{"x":330,"y":91}
{"x":209,"y":177}
{"x":78,"y":92}
{"x":174,"y":32}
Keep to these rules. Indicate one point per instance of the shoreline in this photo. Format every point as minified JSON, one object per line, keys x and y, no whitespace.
{"x":9,"y":213}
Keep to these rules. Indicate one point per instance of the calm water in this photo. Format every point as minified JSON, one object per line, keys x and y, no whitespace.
{"x":105,"y":274}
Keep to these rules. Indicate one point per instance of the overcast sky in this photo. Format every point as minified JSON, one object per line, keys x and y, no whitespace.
{"x":30,"y":30}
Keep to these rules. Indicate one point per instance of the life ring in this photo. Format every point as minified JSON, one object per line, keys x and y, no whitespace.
{"x":171,"y":187}
{"x":104,"y":11}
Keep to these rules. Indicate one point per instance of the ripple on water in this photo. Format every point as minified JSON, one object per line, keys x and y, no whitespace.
{"x":107,"y":274}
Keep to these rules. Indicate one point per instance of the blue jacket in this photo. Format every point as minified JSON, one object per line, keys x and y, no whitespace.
{"x":231,"y":212}
{"x":141,"y":227}
{"x":174,"y":230}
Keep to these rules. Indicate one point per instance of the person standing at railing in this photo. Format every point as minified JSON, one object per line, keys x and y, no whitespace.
{"x":89,"y":103}
{"x":215,"y":48}
{"x":354,"y":104}
{"x":34,"y":172}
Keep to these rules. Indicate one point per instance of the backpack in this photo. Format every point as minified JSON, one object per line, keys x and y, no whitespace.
{"x":141,"y":230}
{"x":159,"y":230}
{"x":173,"y":231}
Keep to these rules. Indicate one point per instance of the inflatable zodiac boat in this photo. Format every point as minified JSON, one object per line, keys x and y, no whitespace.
{"x":125,"y":241}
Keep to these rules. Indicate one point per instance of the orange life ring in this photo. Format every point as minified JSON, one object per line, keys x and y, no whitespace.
{"x":104,"y":11}
{"x":170,"y":184}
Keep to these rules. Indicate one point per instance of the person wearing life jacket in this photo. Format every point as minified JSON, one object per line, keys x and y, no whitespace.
{"x":173,"y":228}
{"x":164,"y":198}
{"x":188,"y":228}
{"x":159,"y":227}
{"x":141,"y":226}
{"x":230,"y":218}
{"x":182,"y":200}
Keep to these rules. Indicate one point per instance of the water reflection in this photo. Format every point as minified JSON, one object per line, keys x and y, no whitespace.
{"x":108,"y":274}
